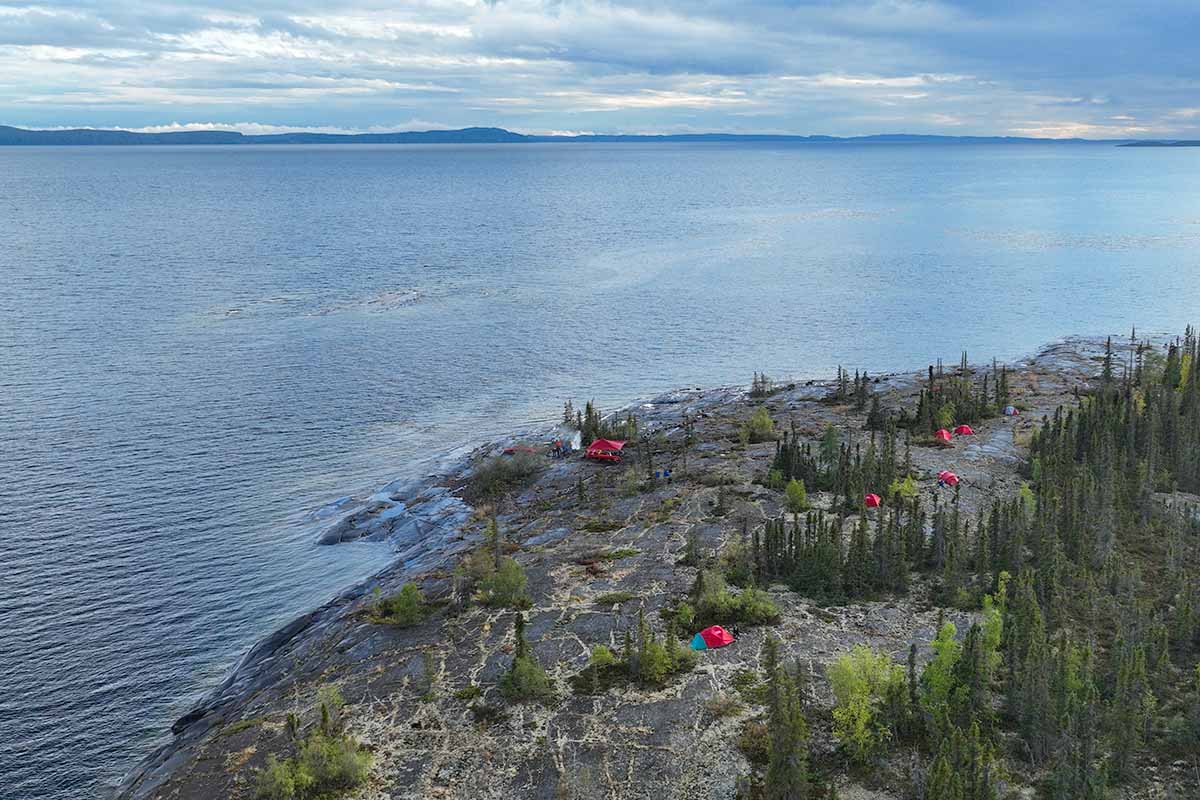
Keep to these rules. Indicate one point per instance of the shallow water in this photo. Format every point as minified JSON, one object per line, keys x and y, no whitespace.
{"x":200,"y":346}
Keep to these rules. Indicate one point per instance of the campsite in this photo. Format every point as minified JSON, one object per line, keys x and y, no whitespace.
{"x":583,"y":645}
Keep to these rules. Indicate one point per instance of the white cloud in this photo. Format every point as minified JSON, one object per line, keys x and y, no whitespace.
{"x":860,"y":66}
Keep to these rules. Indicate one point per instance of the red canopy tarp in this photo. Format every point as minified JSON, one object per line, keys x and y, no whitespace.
{"x":963,"y":430}
{"x":716,"y":636}
{"x":947,"y":477}
{"x":605,"y":449}
{"x":872,"y":500}
{"x":942,"y":434}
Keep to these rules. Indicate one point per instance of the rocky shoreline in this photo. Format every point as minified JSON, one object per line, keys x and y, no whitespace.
{"x":217,"y":745}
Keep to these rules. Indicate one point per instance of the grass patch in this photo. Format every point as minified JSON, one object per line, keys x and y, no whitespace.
{"x":620,"y":552}
{"x":469,"y":692}
{"x":614,"y":598}
{"x":600,"y":525}
{"x":714,"y":479}
{"x":723,"y":706}
{"x":241,"y":725}
{"x":598,"y":556}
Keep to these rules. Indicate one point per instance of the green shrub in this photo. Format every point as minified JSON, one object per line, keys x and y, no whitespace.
{"x":654,"y":665}
{"x":755,"y":743}
{"x":905,"y":489}
{"x":601,"y":657}
{"x":276,"y":781}
{"x":861,"y":680}
{"x":755,"y":607}
{"x":685,"y":617}
{"x":736,"y":563}
{"x":759,"y":428}
{"x":603,"y":671}
{"x":716,"y":605}
{"x":324,"y":765}
{"x":526,"y":680}
{"x":797,"y":496}
{"x":405,"y":608}
{"x":502,"y":474}
{"x":505,"y":588}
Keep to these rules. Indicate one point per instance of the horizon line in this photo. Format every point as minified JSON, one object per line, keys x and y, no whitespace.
{"x":316,"y":134}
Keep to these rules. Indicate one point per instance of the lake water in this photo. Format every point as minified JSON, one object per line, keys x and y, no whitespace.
{"x":199,"y":346}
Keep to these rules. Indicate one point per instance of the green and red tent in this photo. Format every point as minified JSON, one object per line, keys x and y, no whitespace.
{"x":711,"y":638}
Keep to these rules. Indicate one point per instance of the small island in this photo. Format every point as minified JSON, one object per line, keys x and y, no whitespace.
{"x":976,"y":581}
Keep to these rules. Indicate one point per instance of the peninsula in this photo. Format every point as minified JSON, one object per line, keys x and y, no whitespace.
{"x":969,"y":582}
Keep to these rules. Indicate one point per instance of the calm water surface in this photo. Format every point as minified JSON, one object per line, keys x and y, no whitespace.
{"x":199,"y":346}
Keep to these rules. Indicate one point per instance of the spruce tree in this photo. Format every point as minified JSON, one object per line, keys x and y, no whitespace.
{"x":787,"y":762}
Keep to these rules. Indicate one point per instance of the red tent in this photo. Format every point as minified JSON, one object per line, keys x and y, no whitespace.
{"x":942,"y":434}
{"x":716,"y":636}
{"x":947,"y":477}
{"x":963,"y":430}
{"x":872,"y":500}
{"x":605,"y":450}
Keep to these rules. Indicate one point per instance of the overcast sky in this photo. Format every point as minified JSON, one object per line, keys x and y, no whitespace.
{"x":1096,"y":68}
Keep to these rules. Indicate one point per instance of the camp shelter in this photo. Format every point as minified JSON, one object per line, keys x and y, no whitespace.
{"x":711,"y":638}
{"x":605,"y":450}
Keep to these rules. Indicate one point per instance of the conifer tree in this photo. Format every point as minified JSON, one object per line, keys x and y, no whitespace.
{"x":787,"y":764}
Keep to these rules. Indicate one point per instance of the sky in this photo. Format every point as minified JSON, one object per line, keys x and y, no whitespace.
{"x":1057,"y":68}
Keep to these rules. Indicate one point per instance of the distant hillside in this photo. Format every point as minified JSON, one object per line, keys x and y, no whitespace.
{"x":89,"y":136}
{"x":1177,"y":143}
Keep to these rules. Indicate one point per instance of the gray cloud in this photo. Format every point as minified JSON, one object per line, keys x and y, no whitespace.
{"x":1101,"y":68}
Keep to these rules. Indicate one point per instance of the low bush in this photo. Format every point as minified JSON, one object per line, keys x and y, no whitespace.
{"x":797,"y":496}
{"x":503,"y":474}
{"x":755,"y":743}
{"x":716,"y":605}
{"x":405,"y":608}
{"x":505,"y":586}
{"x":759,"y":428}
{"x":324,"y":765}
{"x":861,"y":680}
{"x":723,"y":706}
{"x":647,"y":660}
{"x":600,"y":525}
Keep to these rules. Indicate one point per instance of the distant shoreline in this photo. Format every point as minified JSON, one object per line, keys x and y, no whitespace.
{"x":10,"y":136}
